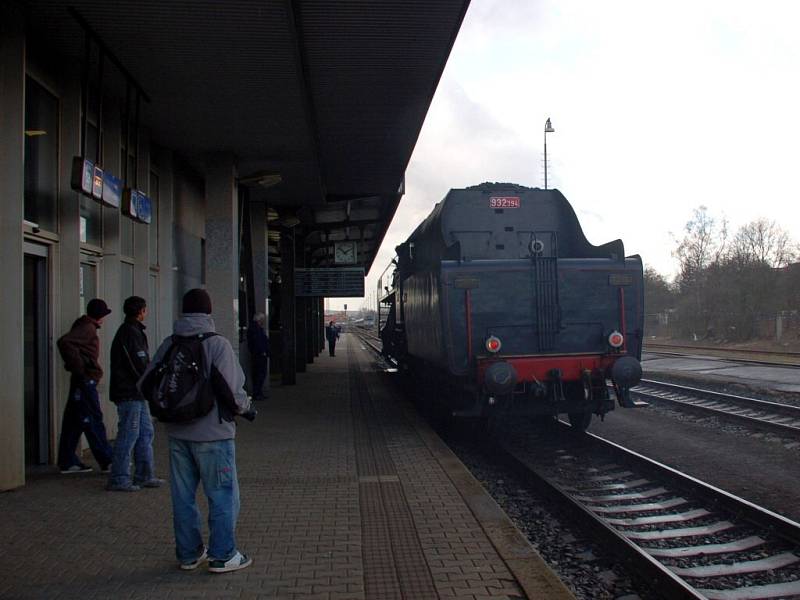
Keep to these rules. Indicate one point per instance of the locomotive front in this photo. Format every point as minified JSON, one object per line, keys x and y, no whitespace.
{"x":503,"y":294}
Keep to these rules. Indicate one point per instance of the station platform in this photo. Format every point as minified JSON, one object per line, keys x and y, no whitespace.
{"x":346,"y":494}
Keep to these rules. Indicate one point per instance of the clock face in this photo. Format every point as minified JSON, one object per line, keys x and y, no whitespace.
{"x":344,"y":253}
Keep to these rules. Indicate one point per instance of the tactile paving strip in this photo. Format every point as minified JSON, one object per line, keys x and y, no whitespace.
{"x":394,"y":562}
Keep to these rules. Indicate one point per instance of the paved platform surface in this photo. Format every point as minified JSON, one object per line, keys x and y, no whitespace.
{"x":346,"y":494}
{"x":770,"y":377}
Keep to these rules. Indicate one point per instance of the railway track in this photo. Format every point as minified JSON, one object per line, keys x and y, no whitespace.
{"x":763,"y":415}
{"x":760,"y":357}
{"x":686,"y":538}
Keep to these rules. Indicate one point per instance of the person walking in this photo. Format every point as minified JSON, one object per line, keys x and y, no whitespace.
{"x":332,"y":334}
{"x":202,"y":449}
{"x":129,"y":359}
{"x":258,"y":344}
{"x":80,"y":350}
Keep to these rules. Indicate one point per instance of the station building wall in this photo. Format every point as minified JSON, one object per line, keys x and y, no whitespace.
{"x":60,"y":249}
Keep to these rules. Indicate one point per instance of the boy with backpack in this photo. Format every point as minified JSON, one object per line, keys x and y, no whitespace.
{"x":196,"y":385}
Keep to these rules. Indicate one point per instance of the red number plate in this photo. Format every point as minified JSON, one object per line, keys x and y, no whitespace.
{"x":504,"y":202}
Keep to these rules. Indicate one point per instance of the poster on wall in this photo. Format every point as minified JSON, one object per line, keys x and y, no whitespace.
{"x":112,"y":190}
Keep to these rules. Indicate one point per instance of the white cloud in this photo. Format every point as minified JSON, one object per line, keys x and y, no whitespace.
{"x":658,"y":108}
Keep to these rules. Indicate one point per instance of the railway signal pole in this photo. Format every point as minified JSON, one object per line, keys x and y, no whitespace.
{"x":548,"y":128}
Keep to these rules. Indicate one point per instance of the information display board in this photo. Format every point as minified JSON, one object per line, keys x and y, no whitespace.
{"x":340,"y":282}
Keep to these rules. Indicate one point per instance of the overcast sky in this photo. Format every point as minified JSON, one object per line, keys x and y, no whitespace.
{"x":658,"y":108}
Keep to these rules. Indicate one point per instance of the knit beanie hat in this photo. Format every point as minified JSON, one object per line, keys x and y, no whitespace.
{"x":197,"y":301}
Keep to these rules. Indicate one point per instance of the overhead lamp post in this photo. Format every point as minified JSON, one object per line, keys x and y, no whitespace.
{"x":548,"y":128}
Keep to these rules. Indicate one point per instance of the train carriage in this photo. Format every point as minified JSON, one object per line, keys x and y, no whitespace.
{"x":499,"y":298}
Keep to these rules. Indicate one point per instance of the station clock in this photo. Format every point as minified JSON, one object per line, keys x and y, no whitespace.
{"x":344,"y":253}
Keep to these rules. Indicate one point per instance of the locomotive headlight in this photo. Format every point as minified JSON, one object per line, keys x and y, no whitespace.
{"x":493,"y":344}
{"x":615,"y":339}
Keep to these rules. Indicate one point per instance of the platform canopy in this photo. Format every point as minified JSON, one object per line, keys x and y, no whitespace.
{"x":320,"y":101}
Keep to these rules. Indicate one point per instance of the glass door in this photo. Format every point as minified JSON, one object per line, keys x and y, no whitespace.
{"x":36,"y":356}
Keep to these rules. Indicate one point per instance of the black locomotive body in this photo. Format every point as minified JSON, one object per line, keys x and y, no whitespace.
{"x":499,"y":302}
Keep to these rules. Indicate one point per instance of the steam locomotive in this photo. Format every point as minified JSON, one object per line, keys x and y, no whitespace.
{"x":497,"y":302}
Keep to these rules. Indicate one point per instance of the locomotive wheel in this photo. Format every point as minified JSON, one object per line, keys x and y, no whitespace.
{"x":580,"y":420}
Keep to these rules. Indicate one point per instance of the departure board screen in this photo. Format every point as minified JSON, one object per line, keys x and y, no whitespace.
{"x":339,"y":282}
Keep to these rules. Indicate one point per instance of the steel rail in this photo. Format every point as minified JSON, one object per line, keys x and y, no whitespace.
{"x":663,"y":481}
{"x":726,"y":350}
{"x":791,"y":359}
{"x":624,"y":547}
{"x":764,"y":415}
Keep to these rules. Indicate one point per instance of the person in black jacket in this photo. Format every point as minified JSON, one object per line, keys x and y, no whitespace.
{"x":332,"y":334}
{"x":258,"y":344}
{"x":129,"y":359}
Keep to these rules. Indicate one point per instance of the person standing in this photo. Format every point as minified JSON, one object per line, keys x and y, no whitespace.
{"x":332,"y":334}
{"x":258,"y":344}
{"x":80,"y":350}
{"x":129,"y":359}
{"x":203,"y":449}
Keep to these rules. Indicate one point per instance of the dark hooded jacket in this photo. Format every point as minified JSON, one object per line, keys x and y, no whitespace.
{"x":129,"y":359}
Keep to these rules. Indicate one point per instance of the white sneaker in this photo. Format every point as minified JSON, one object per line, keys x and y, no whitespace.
{"x":238,"y":561}
{"x":191,"y":566}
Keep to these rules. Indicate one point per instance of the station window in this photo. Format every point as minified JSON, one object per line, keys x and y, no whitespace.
{"x":126,"y":279}
{"x":91,"y":212}
{"x":126,"y":241}
{"x":41,"y":156}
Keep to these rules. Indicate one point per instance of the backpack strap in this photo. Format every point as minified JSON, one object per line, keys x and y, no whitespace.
{"x":197,"y":336}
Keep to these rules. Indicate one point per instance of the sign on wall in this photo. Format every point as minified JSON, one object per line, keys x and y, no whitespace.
{"x":137,"y":206}
{"x":112,"y":190}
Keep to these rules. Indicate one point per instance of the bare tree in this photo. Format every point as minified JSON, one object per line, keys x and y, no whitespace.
{"x":703,"y":245}
{"x":764,"y":242}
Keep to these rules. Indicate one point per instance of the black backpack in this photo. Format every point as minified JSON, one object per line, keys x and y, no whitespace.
{"x":177,"y":388}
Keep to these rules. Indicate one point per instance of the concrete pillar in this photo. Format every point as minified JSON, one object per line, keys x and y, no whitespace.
{"x":222,"y":245}
{"x":12,"y":154}
{"x":310,"y":328}
{"x":166,"y":275}
{"x":301,"y":326}
{"x":315,"y":326}
{"x":321,"y":324}
{"x":258,"y":241}
{"x":260,"y":262}
{"x":288,"y":363}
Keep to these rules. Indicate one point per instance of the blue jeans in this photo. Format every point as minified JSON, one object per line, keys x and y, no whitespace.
{"x":134,"y":436}
{"x":82,"y":415}
{"x":213,"y":463}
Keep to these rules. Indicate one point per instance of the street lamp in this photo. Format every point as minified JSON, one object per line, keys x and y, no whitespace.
{"x":548,"y":128}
